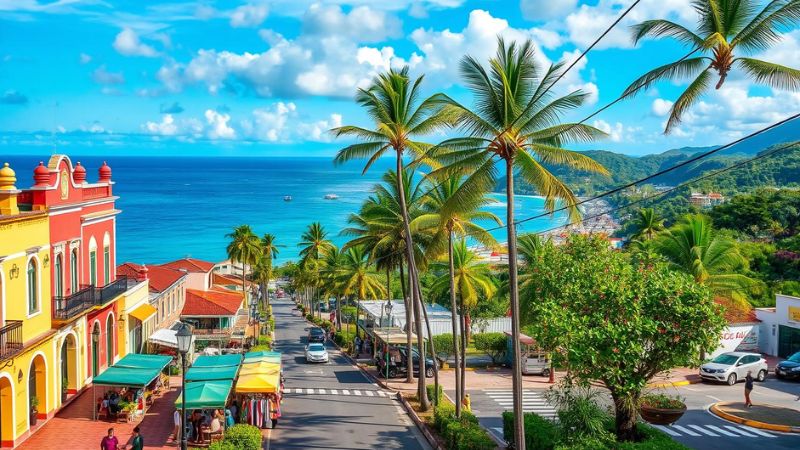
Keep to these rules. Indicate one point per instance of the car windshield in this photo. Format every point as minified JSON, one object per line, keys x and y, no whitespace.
{"x":317,"y":331}
{"x":795,"y":357}
{"x":727,"y":360}
{"x":316,"y":348}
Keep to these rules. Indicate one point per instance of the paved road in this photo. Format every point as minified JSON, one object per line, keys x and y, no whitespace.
{"x":332,"y":405}
{"x":697,"y":428}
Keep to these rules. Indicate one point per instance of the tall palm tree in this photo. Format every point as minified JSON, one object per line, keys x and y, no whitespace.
{"x":515,"y":122}
{"x":333,"y":264}
{"x":392,"y":103}
{"x":245,"y":248}
{"x":313,"y":244}
{"x":453,"y":211}
{"x":694,"y":247}
{"x":357,"y":276}
{"x":724,"y":29}
{"x":646,"y":225}
{"x":269,"y":251}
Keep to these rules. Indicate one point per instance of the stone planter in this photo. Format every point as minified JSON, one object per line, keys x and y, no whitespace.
{"x":660,"y":416}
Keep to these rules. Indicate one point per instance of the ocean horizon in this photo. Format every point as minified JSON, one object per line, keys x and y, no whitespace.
{"x":174,"y":207}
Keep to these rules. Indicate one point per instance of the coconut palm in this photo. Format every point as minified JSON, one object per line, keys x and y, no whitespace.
{"x":646,"y":225}
{"x":515,"y":122}
{"x":269,"y":251}
{"x":244,"y":248}
{"x":332,"y":265}
{"x":724,"y":30}
{"x":358,"y":278}
{"x":392,"y":103}
{"x":452,"y":211}
{"x":313,"y":244}
{"x":694,"y":247}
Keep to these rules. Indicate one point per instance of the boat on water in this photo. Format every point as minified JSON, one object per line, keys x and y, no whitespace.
{"x":287,"y":198}
{"x":331,"y":197}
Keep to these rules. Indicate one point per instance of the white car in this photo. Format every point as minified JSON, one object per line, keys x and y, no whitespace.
{"x":733,"y":366}
{"x":315,"y":352}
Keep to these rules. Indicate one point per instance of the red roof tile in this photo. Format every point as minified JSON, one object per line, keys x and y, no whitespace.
{"x":190,"y":265}
{"x":223,"y":279}
{"x":160,"y":278}
{"x":211,"y":303}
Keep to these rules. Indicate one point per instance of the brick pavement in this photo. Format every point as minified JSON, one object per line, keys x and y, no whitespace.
{"x":74,"y":428}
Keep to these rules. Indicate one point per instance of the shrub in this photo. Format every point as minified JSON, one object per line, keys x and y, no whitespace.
{"x":260,"y":348}
{"x":580,"y":417}
{"x":662,"y":401}
{"x":438,"y":398}
{"x":310,"y":317}
{"x":492,"y":344}
{"x":221,"y":445}
{"x":540,"y":433}
{"x":443,"y":414}
{"x":243,"y":437}
{"x":344,"y":340}
{"x":264,"y":340}
{"x":652,"y":439}
{"x":459,"y":434}
{"x":444,"y":346}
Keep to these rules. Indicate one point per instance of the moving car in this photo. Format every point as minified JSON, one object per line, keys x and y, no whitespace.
{"x":789,"y":368}
{"x":398,"y":363}
{"x":316,"y":335}
{"x":316,"y":353}
{"x":733,"y":366}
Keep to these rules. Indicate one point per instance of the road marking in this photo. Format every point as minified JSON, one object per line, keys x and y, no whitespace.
{"x":741,"y":431}
{"x":720,"y":430}
{"x":685,"y":430}
{"x":369,"y":393}
{"x":667,"y":430}
{"x":299,"y":390}
{"x":357,"y":392}
{"x":335,"y":391}
{"x":310,"y":391}
{"x":345,"y":392}
{"x":704,"y":431}
{"x":758,"y":432}
{"x":322,"y":391}
{"x":381,"y":393}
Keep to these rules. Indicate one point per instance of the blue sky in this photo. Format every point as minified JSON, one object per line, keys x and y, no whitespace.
{"x":271,"y":77}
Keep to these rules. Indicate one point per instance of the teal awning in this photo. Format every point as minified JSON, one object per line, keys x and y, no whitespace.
{"x":206,"y":394}
{"x":217,"y":361}
{"x":127,"y":376}
{"x":263,"y":355}
{"x":141,"y":361}
{"x":211,"y":373}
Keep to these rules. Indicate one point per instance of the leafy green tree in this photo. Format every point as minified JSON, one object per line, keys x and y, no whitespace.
{"x":515,"y":122}
{"x":245,"y":248}
{"x":392,"y":103}
{"x":618,"y":322}
{"x":262,"y":272}
{"x":646,"y":225}
{"x":313,"y":244}
{"x":724,"y":29}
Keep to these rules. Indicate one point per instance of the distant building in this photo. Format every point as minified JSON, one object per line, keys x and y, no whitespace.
{"x":199,"y":272}
{"x":706,"y":200}
{"x":219,"y":317}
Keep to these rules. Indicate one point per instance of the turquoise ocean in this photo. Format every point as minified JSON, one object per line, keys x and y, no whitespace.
{"x":183,"y":206}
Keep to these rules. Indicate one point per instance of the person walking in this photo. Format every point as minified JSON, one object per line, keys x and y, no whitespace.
{"x":176,"y":419}
{"x":109,"y":442}
{"x":748,"y":387}
{"x":136,"y":441}
{"x":357,"y":346}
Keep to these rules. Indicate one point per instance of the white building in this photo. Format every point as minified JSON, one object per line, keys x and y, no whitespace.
{"x":780,"y":327}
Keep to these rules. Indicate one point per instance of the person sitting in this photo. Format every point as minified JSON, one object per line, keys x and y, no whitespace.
{"x":113,"y":403}
{"x":216,"y":424}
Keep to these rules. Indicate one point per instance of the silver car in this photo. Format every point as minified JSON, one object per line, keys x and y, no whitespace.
{"x":733,"y":366}
{"x":315,"y":352}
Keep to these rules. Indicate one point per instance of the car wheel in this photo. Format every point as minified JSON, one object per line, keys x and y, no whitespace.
{"x":546,"y":372}
{"x":731,"y":379}
{"x":778,"y":376}
{"x":762,"y":375}
{"x":392,"y":372}
{"x":429,"y":372}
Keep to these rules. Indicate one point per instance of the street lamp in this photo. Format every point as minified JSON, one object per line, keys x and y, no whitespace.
{"x":254,"y":316}
{"x":388,"y":309}
{"x":95,"y":358}
{"x":184,"y":337}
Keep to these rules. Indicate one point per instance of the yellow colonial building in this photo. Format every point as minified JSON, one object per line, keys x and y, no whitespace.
{"x":27,"y":350}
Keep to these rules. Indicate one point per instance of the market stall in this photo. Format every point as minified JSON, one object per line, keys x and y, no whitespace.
{"x":217,"y":360}
{"x":206,"y":394}
{"x":211,"y":373}
{"x":138,"y":378}
{"x":259,"y":389}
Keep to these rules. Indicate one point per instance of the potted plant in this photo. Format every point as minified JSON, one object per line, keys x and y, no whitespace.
{"x":661,"y":409}
{"x":64,"y":389}
{"x":34,"y":410}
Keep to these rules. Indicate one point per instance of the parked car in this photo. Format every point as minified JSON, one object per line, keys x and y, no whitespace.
{"x":316,"y":335}
{"x":316,"y":353}
{"x":733,"y":366}
{"x":789,"y":368}
{"x":398,"y":363}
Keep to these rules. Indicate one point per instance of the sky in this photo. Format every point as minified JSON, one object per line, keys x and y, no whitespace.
{"x":273,"y":77}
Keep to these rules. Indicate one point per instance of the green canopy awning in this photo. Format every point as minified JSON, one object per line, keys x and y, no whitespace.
{"x":206,"y":394}
{"x":217,"y":361}
{"x":141,"y":361}
{"x":211,"y":373}
{"x":263,"y":355}
{"x":127,"y":376}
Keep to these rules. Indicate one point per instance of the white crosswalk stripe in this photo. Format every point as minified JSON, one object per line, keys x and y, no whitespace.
{"x":532,"y":401}
{"x":697,"y":430}
{"x":351,"y":392}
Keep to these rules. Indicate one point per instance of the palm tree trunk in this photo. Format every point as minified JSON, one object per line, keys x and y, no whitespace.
{"x":463,"y":368}
{"x":413,"y":277}
{"x":409,"y":320}
{"x":454,"y":317}
{"x":433,"y":357}
{"x":338,"y":313}
{"x":388,"y":284}
{"x":516,"y":369}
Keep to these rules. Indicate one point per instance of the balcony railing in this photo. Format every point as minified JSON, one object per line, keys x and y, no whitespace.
{"x":73,"y":305}
{"x":10,"y":339}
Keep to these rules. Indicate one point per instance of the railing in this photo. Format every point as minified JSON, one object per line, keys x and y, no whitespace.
{"x":114,"y":289}
{"x":89,"y":296}
{"x":10,"y":339}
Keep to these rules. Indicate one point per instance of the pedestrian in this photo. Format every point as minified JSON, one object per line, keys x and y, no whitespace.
{"x":357,"y":342}
{"x":228,"y":419}
{"x":136,"y":442}
{"x":748,"y":387}
{"x":176,"y":418}
{"x":109,"y":442}
{"x":235,"y":411}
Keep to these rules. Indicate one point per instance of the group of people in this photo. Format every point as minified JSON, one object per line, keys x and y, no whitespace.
{"x":110,"y":441}
{"x":362,"y":345}
{"x":112,"y":399}
{"x":209,"y":421}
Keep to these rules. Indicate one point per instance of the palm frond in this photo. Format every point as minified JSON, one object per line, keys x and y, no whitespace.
{"x":546,"y":184}
{"x":660,"y":28}
{"x":771,"y":74}
{"x":568,"y":158}
{"x":688,"y":98}
{"x":761,"y":32}
{"x":672,"y":71}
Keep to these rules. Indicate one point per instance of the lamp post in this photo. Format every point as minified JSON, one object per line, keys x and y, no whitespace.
{"x":254,"y":316}
{"x":388,"y":309}
{"x":95,"y":359}
{"x":184,"y":337}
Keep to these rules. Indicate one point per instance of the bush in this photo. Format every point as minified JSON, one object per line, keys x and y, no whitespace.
{"x":492,"y":344}
{"x":580,"y":417}
{"x":260,"y":348}
{"x":444,"y":346}
{"x":221,"y":445}
{"x":438,"y":400}
{"x":459,"y":434}
{"x":243,"y":437}
{"x":344,"y":340}
{"x":310,"y":317}
{"x":652,"y":439}
{"x":264,"y":340}
{"x":540,"y":433}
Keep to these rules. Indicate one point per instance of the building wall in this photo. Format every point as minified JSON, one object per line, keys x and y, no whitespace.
{"x":786,"y":313}
{"x":132,"y":299}
{"x":198,"y":280}
{"x":102,"y":318}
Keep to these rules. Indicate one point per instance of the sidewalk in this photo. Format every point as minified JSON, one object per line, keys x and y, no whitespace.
{"x":784,"y":417}
{"x":74,"y":428}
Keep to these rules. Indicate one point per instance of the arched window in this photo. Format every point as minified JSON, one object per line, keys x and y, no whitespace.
{"x":106,"y":264}
{"x":59,"y":275}
{"x":110,"y":340}
{"x":93,"y":267}
{"x":33,"y":287}
{"x":73,"y":270}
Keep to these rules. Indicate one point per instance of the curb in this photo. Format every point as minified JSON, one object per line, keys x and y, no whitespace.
{"x":674,"y":383}
{"x":751,"y":423}
{"x":418,"y":422}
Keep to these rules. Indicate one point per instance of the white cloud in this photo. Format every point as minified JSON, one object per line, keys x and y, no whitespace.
{"x":103,"y":76}
{"x":540,"y":10}
{"x":319,"y":131}
{"x":280,"y":123}
{"x":249,"y":15}
{"x":362,"y":23}
{"x":84,"y":58}
{"x":661,"y":107}
{"x":127,"y":43}
{"x":218,"y":127}
{"x":167,"y":126}
{"x":615,"y":132}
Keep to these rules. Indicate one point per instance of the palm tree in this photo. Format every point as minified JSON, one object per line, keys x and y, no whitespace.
{"x":724,"y":27}
{"x":332,"y":264}
{"x":269,"y":251}
{"x":313,"y":244}
{"x":646,"y":225}
{"x":694,"y":247}
{"x":357,"y":278}
{"x":516,"y":122}
{"x":453,"y":211}
{"x":391,"y":102}
{"x":244,"y":248}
